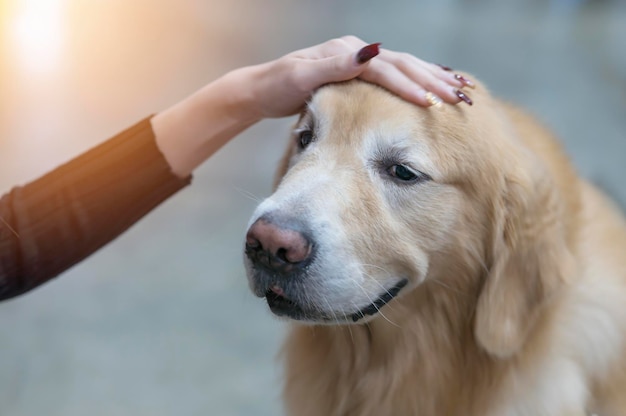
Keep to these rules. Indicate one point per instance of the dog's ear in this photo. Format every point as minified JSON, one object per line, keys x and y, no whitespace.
{"x":529,"y":262}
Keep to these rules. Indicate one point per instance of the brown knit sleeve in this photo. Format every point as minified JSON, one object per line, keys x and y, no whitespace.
{"x":59,"y":219}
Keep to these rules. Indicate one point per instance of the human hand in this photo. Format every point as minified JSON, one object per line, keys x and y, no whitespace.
{"x":281,"y":87}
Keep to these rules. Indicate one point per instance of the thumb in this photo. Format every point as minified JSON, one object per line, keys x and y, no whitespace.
{"x":340,"y":67}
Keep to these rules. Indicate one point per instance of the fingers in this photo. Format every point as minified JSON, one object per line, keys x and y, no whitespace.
{"x":337,"y":68}
{"x":330,"y":48}
{"x":411,"y":78}
{"x":392,"y":78}
{"x":415,"y":80}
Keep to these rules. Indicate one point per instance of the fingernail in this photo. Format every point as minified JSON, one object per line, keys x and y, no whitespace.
{"x":433,"y":100}
{"x":367,"y":52}
{"x":465,"y":81}
{"x":445,"y":68}
{"x":463,"y":97}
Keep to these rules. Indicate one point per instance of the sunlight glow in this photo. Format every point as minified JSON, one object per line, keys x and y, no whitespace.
{"x":36,"y":33}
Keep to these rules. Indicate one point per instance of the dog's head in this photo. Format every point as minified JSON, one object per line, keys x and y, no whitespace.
{"x":378,"y":196}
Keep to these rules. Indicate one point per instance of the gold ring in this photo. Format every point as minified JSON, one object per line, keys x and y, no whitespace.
{"x":433,"y":99}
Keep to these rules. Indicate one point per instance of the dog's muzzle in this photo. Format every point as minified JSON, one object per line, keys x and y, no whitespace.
{"x":281,"y":255}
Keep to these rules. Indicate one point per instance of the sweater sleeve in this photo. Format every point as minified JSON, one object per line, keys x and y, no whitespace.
{"x":56,"y":221}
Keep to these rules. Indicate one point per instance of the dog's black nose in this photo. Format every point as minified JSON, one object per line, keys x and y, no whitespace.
{"x":277,"y":247}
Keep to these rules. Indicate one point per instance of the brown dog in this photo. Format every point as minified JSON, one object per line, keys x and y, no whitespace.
{"x":440,"y":261}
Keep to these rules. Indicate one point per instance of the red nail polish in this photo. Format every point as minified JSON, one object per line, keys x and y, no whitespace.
{"x":463,"y":97}
{"x":367,"y":52}
{"x":465,"y":81}
{"x":445,"y":68}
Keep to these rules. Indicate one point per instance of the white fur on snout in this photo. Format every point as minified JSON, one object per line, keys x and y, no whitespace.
{"x":336,"y":283}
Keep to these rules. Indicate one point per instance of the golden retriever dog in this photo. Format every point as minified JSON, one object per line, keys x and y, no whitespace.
{"x":439,"y":261}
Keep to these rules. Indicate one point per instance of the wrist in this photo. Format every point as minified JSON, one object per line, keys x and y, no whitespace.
{"x":242,"y":91}
{"x":193,"y":129}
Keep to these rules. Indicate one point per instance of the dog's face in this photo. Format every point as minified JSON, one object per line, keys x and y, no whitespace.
{"x":379,"y":196}
{"x":364,"y":204}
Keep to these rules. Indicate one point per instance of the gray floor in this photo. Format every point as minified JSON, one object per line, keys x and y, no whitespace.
{"x":161,"y":322}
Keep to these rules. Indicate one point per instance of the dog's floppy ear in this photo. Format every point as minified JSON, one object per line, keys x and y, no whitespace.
{"x":528,"y":264}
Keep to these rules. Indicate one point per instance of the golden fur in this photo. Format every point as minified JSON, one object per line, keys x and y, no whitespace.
{"x":516,"y":301}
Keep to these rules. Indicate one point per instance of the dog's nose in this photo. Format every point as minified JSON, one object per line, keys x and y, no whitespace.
{"x":277,"y":247}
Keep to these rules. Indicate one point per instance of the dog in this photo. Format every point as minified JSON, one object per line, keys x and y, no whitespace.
{"x":439,"y":261}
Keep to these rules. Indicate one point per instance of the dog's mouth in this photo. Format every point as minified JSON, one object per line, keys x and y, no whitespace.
{"x":281,"y":305}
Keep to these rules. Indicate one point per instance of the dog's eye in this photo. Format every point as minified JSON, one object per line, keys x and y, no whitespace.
{"x":402,"y":172}
{"x":305,"y":138}
{"x":405,"y":174}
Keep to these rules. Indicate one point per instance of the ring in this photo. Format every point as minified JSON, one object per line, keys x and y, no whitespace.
{"x":433,"y":100}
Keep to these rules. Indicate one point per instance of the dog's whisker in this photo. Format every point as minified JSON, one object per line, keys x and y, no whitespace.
{"x":440,"y":283}
{"x":345,"y":316}
{"x":373,"y":278}
{"x":387,"y":291}
{"x":379,"y":284}
{"x":248,"y":195}
{"x":376,"y":267}
{"x":330,"y":309}
{"x":320,"y":294}
{"x":387,"y":319}
{"x":375,"y":306}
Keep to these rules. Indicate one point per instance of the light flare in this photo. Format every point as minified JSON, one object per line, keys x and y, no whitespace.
{"x":36,"y":34}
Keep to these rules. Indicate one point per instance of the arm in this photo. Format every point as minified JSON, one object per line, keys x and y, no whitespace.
{"x":59,"y":219}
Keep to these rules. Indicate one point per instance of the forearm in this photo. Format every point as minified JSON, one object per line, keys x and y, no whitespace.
{"x":191,"y":131}
{"x":54,"y":222}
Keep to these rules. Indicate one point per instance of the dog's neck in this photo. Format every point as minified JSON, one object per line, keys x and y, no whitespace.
{"x":436,"y":318}
{"x":427,"y":332}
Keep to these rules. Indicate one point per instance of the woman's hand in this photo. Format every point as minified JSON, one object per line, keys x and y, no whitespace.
{"x":282,"y":86}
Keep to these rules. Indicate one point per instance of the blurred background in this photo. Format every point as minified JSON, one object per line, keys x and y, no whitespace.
{"x":161,"y":322}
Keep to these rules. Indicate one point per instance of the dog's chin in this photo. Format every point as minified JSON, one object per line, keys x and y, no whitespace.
{"x":284,"y":307}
